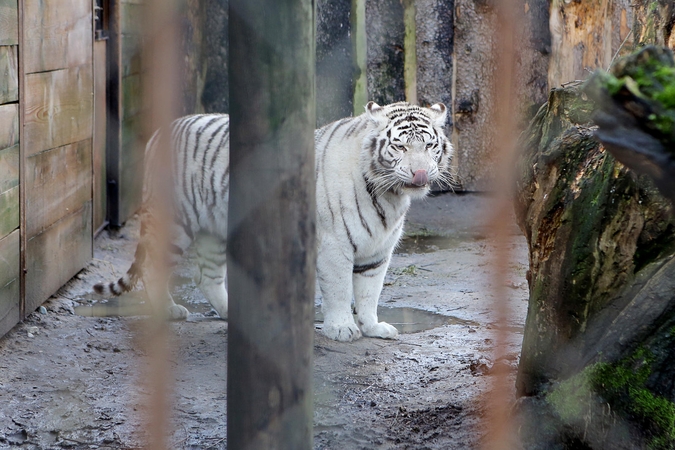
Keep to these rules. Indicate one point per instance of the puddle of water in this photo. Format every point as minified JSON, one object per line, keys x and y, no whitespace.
{"x":129,"y":304}
{"x":405,"y":319}
{"x":183,"y":290}
{"x":426,"y":242}
{"x":410,"y":320}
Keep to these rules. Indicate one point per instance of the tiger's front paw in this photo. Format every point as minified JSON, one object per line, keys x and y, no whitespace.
{"x":177,"y":312}
{"x":380,"y":330}
{"x":343,"y":333}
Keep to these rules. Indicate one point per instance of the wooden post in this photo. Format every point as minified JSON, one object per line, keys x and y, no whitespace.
{"x":271,"y":243}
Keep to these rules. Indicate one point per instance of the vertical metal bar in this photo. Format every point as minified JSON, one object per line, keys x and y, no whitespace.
{"x":271,"y":242}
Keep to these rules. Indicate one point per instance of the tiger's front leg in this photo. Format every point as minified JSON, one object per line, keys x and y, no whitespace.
{"x":367,"y":281}
{"x":334,"y":271}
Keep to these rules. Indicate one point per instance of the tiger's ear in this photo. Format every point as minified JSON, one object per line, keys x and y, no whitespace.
{"x":439,"y":114}
{"x":376,"y":113}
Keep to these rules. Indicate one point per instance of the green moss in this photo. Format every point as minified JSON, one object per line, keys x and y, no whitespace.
{"x":622,"y":385}
{"x":649,"y":77}
{"x":571,"y":398}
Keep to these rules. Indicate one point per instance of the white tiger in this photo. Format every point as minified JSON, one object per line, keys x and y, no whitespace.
{"x":368,"y":168}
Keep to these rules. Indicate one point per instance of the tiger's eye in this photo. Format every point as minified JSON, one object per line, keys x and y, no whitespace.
{"x":400,"y":148}
{"x":430,"y":145}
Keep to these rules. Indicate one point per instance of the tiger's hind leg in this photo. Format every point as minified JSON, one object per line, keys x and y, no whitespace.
{"x":156,"y":283}
{"x":160,"y":262}
{"x":212,"y":277}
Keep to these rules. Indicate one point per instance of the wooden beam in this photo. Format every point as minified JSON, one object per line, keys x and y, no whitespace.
{"x":271,"y":244}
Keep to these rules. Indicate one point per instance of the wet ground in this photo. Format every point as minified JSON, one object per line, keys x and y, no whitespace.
{"x":72,"y":375}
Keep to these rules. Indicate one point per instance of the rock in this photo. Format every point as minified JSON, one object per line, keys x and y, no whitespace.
{"x":42,"y":310}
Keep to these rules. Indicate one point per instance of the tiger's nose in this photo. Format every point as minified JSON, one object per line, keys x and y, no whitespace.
{"x":420,"y":177}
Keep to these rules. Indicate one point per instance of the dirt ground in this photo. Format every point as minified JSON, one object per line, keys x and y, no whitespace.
{"x":72,"y":381}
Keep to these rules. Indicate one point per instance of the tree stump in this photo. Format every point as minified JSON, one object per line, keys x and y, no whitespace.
{"x":598,"y":352}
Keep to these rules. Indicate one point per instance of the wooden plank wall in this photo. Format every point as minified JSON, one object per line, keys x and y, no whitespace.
{"x":57,"y":147}
{"x":9,"y":166}
{"x":132,"y":142}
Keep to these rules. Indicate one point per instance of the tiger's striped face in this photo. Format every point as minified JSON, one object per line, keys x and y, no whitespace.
{"x":407,"y":148}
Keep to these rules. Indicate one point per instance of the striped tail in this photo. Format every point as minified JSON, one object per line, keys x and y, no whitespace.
{"x":128,"y":281}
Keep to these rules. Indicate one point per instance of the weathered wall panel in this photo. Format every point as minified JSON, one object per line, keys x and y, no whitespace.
{"x":9,"y":74}
{"x":9,"y":125}
{"x":9,"y":211}
{"x":334,"y":61}
{"x":58,"y":182}
{"x":9,"y":281}
{"x":58,"y":108}
{"x":435,"y":39}
{"x":473,"y":75}
{"x":9,"y":168}
{"x":385,"y":36}
{"x":9,"y":22}
{"x":56,"y":143}
{"x":132,"y":139}
{"x":57,"y":34}
{"x":10,"y":299}
{"x":214,"y":96}
{"x":56,"y":255}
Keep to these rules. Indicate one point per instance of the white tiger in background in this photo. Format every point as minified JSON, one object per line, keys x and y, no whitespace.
{"x":368,"y":168}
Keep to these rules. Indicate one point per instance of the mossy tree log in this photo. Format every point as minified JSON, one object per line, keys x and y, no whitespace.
{"x":602,"y":289}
